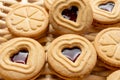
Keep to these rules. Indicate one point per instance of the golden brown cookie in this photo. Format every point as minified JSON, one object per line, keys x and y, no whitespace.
{"x":5,"y":35}
{"x":48,"y":3}
{"x":105,"y":12}
{"x":27,"y":20}
{"x":94,"y":77}
{"x":107,"y":46}
{"x":71,"y":16}
{"x":71,"y":56}
{"x":114,"y":76}
{"x":21,"y":59}
{"x":11,"y":2}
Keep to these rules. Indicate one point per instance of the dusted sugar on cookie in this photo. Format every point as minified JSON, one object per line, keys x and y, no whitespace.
{"x":71,"y":56}
{"x":106,"y":13}
{"x":21,"y":59}
{"x":27,"y":20}
{"x":108,"y":47}
{"x":71,"y":16}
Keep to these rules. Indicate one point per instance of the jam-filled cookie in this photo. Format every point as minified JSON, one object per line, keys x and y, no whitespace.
{"x":71,"y":56}
{"x":106,"y":13}
{"x":21,"y":59}
{"x":114,"y":76}
{"x":71,"y":16}
{"x":108,"y":47}
{"x":27,"y":20}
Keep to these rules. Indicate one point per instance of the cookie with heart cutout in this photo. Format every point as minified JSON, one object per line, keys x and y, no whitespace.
{"x":21,"y":59}
{"x":71,"y":56}
{"x":71,"y":16}
{"x":27,"y":21}
{"x":108,"y":47}
{"x":106,"y":13}
{"x":114,"y":76}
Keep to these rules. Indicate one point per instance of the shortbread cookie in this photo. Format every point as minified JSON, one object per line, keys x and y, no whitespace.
{"x":103,"y":64}
{"x":48,"y":77}
{"x":5,"y":35}
{"x":21,"y":59}
{"x":71,"y":56}
{"x":27,"y":20}
{"x":4,"y":9}
{"x":94,"y":77}
{"x":114,"y":76}
{"x":107,"y":46}
{"x":48,"y":3}
{"x":105,"y":12}
{"x":37,"y":2}
{"x":71,"y":16}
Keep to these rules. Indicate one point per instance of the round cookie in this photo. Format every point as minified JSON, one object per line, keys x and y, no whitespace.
{"x":105,"y":12}
{"x":27,"y":20}
{"x":21,"y":59}
{"x":107,"y":46}
{"x":71,"y":16}
{"x":114,"y":76}
{"x":71,"y":56}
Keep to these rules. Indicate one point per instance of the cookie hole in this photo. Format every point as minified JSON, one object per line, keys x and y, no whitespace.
{"x":70,"y":13}
{"x":72,"y":53}
{"x":20,"y":57}
{"x":107,"y":6}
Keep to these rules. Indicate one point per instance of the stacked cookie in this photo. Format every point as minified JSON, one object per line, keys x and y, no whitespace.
{"x":70,"y":39}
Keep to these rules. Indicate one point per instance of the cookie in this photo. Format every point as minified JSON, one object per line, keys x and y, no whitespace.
{"x":48,"y":3}
{"x":71,"y":16}
{"x":107,"y":46}
{"x":27,"y":20}
{"x":114,"y":76}
{"x":71,"y":56}
{"x":21,"y":59}
{"x":94,"y":77}
{"x":37,"y":2}
{"x":5,"y":35}
{"x":48,"y":77}
{"x":103,"y":64}
{"x":106,"y":12}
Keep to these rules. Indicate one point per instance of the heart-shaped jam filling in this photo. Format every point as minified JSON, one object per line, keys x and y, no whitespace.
{"x":71,"y":53}
{"x":70,"y":13}
{"x":107,"y":6}
{"x":20,"y":57}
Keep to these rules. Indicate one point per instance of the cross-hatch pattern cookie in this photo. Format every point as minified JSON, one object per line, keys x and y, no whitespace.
{"x":27,"y":20}
{"x":107,"y":44}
